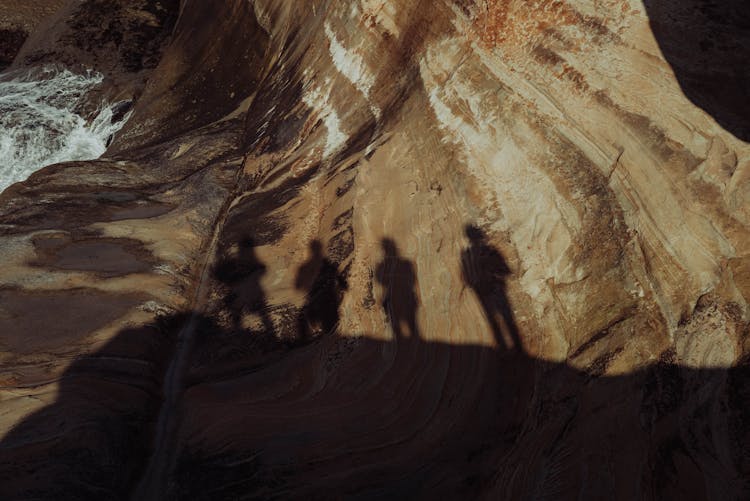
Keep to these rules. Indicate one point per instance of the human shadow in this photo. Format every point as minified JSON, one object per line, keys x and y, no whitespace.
{"x":354,"y":417}
{"x":241,"y":274}
{"x":707,"y":44}
{"x":484,"y":271}
{"x":399,"y":280}
{"x":324,"y":285}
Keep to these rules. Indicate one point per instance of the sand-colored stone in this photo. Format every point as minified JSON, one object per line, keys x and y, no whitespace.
{"x":393,"y":248}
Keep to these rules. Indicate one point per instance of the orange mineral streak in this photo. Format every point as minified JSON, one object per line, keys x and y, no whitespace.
{"x":516,"y":23}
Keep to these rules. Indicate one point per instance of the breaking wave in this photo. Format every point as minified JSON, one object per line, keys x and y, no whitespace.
{"x":41,"y":122}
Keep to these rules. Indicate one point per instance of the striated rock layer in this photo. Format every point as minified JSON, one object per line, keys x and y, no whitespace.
{"x":388,"y":248}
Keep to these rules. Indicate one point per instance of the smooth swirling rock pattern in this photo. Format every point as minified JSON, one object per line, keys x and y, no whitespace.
{"x":384,"y":249}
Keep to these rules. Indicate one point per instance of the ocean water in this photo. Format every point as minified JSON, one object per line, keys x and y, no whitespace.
{"x":39,"y":125}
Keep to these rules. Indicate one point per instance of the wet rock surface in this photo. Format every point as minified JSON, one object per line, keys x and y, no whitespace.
{"x":11,"y":40}
{"x":18,"y":18}
{"x":384,"y":249}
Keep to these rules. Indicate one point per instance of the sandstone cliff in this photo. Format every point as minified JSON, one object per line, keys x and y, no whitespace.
{"x":387,"y":248}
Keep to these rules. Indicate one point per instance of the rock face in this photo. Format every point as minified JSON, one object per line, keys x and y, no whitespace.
{"x":388,"y":248}
{"x":18,"y":18}
{"x":122,"y":40}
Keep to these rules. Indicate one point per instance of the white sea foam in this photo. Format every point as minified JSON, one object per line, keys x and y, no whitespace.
{"x":40,"y":124}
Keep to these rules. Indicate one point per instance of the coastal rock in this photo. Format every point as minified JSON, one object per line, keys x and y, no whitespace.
{"x":386,"y":248}
{"x":18,"y":18}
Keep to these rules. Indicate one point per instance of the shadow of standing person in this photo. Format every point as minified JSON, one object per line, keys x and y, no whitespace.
{"x":399,"y":281}
{"x":484,"y":270}
{"x":320,"y":314}
{"x":242,"y":275}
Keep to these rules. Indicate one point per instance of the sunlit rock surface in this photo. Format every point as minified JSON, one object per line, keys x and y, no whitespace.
{"x":388,"y":249}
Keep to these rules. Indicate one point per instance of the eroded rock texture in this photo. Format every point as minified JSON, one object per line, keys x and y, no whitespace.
{"x":388,"y":249}
{"x":18,"y":18}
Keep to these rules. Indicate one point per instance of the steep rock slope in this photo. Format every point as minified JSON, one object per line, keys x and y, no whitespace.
{"x":390,"y":248}
{"x":18,"y":18}
{"x":121,"y":40}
